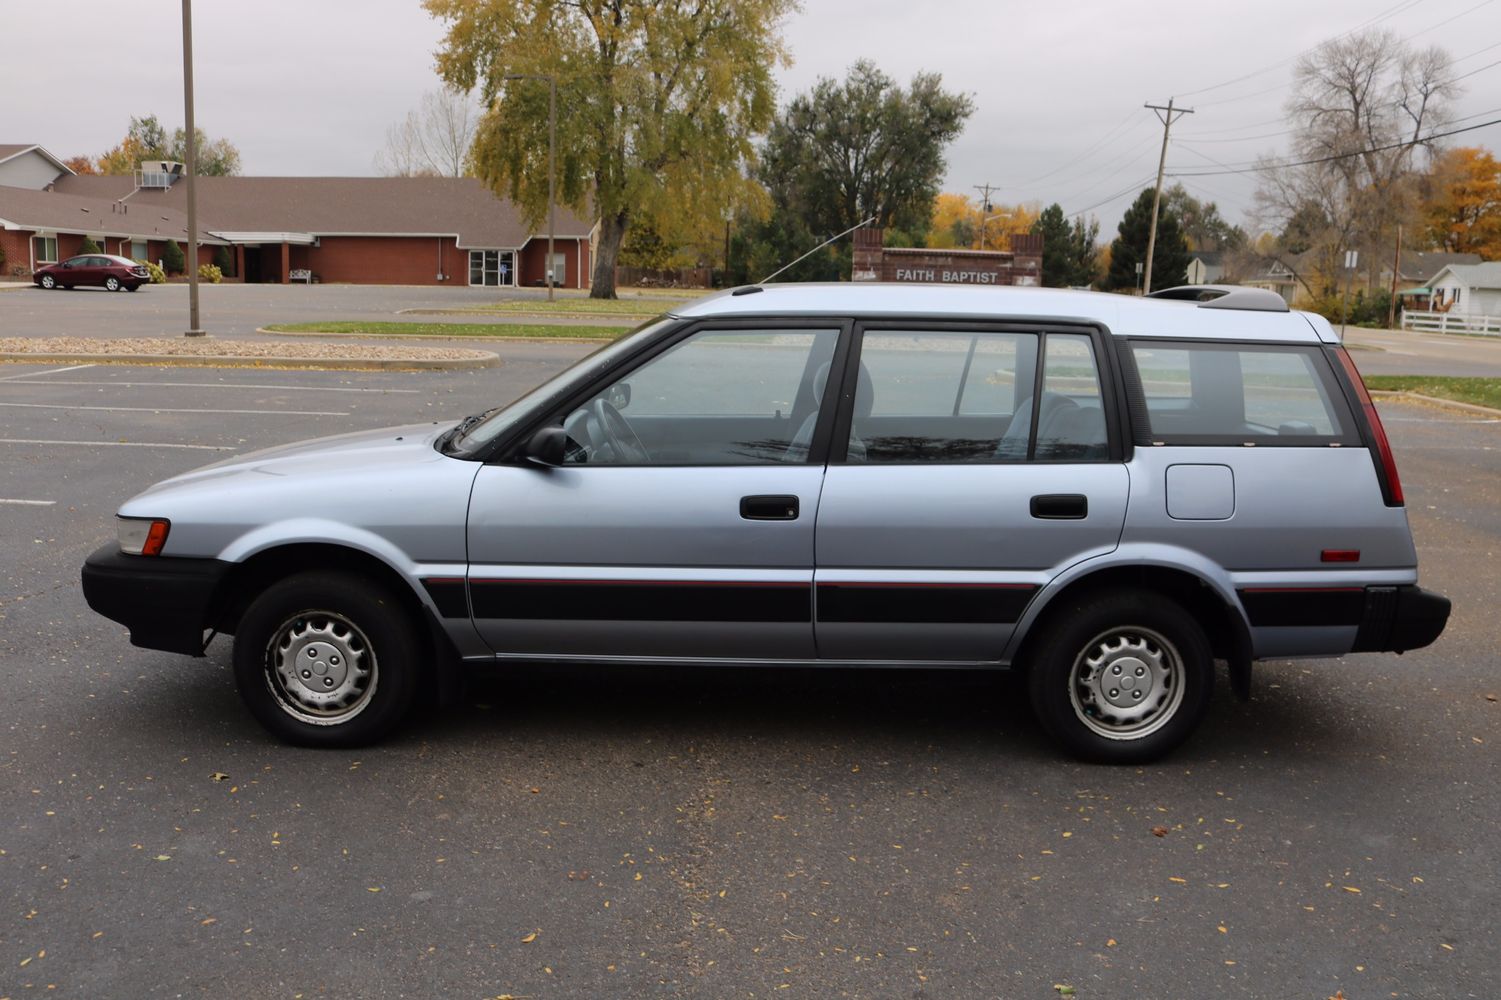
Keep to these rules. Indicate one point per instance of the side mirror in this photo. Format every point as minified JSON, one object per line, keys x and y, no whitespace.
{"x":619,"y":395}
{"x":547,"y":447}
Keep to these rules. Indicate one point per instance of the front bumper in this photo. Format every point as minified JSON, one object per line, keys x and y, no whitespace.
{"x":1397,"y":619}
{"x":164,"y":601}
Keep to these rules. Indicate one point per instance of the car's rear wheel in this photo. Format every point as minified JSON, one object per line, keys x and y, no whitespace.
{"x":47,"y":281}
{"x":112,"y":284}
{"x":327,"y":659}
{"x":1121,"y":677}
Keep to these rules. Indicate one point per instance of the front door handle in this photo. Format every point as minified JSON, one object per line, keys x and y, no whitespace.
{"x":1060,"y":507}
{"x":769,"y":508}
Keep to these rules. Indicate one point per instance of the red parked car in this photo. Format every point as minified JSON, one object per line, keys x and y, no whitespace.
{"x":105,"y":270}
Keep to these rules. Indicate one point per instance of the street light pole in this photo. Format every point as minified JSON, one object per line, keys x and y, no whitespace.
{"x":552,"y":165}
{"x":191,"y":156}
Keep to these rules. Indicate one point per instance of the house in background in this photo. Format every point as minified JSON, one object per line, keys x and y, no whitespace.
{"x":1280,"y":275}
{"x":1206,"y":267}
{"x":1415,"y":272}
{"x":1466,"y":298}
{"x":39,"y":225}
{"x":365,"y":230}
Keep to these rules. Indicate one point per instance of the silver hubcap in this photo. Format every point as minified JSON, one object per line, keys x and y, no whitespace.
{"x":321,"y":668}
{"x":47,"y":281}
{"x":1127,"y":683}
{"x":112,"y":284}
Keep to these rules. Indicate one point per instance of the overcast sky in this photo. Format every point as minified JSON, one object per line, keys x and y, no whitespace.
{"x":310,"y":86}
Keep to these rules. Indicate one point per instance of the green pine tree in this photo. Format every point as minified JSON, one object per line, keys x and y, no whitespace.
{"x":1169,"y":259}
{"x":88,"y":245}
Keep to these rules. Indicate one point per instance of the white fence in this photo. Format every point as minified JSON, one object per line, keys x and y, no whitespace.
{"x":1427,"y":322}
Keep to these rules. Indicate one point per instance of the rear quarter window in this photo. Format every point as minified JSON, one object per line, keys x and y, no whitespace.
{"x":1193,"y":392}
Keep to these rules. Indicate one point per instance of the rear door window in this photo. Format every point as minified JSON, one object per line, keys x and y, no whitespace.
{"x":1264,"y":394}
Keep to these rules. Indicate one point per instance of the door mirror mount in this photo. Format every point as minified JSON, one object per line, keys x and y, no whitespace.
{"x":547,"y":446}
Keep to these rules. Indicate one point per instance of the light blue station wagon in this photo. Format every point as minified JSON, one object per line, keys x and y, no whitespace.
{"x":1109,"y":493}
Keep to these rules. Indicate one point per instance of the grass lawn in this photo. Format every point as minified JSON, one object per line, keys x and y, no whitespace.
{"x":579,"y":306}
{"x":1482,"y":391}
{"x":529,"y":330}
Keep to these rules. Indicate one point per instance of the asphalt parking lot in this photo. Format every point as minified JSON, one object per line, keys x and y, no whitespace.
{"x":650,"y":832}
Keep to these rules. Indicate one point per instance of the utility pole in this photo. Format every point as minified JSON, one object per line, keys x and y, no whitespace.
{"x":191,"y":135}
{"x":984,"y":190}
{"x":1391,"y":307}
{"x":1167,"y":116}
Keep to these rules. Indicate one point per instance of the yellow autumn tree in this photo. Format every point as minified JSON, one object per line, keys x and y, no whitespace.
{"x":1463,"y":207}
{"x":957,"y":222}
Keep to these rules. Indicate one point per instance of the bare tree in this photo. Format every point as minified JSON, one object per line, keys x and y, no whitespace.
{"x":1362,"y":106}
{"x":433,"y":140}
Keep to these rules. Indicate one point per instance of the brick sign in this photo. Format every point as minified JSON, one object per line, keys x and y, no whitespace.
{"x":1021,"y":265}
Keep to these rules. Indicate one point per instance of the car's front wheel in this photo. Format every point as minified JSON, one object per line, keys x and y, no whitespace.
{"x":112,"y":284}
{"x":47,"y":281}
{"x":1121,"y":677}
{"x":327,"y":659}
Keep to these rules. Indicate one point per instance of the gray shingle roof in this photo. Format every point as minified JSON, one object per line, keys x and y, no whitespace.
{"x":1486,"y":275}
{"x":51,"y":210}
{"x":324,"y":206}
{"x":1419,"y":265}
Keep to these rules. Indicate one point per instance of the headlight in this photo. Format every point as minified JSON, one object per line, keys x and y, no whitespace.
{"x":142,"y":536}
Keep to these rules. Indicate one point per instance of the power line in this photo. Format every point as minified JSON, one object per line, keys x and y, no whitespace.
{"x":1340,"y":156}
{"x":1130,"y":117}
{"x":1377,"y":19}
{"x":1252,"y":164}
{"x":1105,"y":201}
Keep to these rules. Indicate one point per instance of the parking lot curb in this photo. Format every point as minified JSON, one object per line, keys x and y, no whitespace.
{"x":489,"y":359}
{"x":1447,"y":404}
{"x":485,"y":338}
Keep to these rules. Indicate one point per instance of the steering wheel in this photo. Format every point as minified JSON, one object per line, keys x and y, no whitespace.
{"x":616,"y":431}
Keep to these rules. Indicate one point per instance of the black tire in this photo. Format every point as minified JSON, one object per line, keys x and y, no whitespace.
{"x":1156,"y":655}
{"x":132,"y":288}
{"x":112,"y":284}
{"x":360,"y":642}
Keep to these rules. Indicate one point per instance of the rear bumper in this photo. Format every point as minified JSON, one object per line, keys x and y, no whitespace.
{"x":1397,"y":619}
{"x":164,"y":601}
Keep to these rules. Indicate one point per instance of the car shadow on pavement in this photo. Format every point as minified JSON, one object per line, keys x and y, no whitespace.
{"x":1292,"y":715}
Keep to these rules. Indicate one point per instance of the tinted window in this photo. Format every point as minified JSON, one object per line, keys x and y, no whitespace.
{"x":1214,"y":393}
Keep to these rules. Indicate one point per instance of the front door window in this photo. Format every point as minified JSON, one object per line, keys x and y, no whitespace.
{"x":721,"y":397}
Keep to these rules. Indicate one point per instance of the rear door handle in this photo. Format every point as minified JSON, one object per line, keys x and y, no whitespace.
{"x":1060,"y":507}
{"x":769,"y":508}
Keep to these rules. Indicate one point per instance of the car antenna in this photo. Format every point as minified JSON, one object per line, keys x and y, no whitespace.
{"x":815,"y":250}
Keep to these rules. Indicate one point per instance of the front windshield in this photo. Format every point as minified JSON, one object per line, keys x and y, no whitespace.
{"x":501,"y":421}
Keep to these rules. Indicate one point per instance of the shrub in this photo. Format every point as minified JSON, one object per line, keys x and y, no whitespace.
{"x":210,"y":273}
{"x":173,"y":259}
{"x":88,"y":245}
{"x":158,"y":276}
{"x":224,"y":261}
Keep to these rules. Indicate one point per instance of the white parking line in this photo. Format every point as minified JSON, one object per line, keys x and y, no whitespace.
{"x":28,"y":503}
{"x":119,"y":444}
{"x":52,"y":371}
{"x":221,"y":385}
{"x":162,"y":409}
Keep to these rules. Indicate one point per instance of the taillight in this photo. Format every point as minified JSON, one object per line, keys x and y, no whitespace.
{"x":1391,"y":483}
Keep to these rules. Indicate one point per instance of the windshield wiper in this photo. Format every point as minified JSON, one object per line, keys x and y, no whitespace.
{"x":464,"y":426}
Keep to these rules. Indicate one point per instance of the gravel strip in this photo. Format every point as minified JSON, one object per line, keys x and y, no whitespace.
{"x":212,"y":347}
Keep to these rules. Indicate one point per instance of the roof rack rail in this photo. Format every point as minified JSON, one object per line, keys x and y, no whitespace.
{"x":1226,"y":297}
